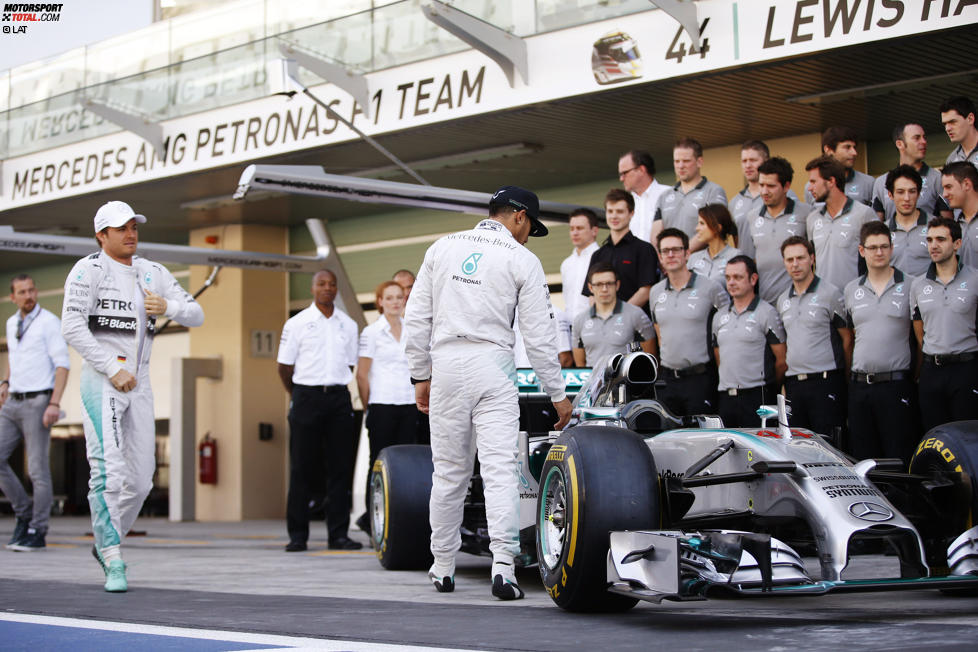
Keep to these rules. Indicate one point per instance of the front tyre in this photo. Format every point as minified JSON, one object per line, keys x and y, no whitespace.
{"x":596,"y":479}
{"x":400,"y":488}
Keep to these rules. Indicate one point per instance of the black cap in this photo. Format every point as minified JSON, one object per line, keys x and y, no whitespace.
{"x":522,"y":200}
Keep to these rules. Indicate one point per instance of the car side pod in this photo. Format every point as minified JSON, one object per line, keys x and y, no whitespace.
{"x":962,"y":554}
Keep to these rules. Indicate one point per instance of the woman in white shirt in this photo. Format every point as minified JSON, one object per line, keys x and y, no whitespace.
{"x":384,"y":380}
{"x":716,"y":228}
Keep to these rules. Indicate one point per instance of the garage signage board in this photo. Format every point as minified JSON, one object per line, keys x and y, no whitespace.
{"x":636,"y":49}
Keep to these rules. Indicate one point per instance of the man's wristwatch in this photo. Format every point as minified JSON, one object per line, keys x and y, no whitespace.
{"x":415,"y":381}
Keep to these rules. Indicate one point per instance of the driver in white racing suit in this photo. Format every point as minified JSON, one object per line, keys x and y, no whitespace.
{"x":459,"y":326}
{"x":112,"y":299}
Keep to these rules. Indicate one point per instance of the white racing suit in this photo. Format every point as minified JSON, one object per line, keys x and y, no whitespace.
{"x":459,"y":325}
{"x":105,"y":321}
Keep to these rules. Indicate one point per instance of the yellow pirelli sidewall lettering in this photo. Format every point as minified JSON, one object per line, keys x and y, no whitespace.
{"x":556,"y":453}
{"x":572,"y":472}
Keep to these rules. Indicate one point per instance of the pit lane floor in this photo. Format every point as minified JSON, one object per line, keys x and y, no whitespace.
{"x":230,"y":586}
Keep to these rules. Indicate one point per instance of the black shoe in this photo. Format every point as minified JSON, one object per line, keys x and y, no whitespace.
{"x":30,"y":542}
{"x":20,"y":531}
{"x":296,"y":546}
{"x":444,"y":584}
{"x":346,"y":543}
{"x":506,"y":589}
{"x":364,"y":522}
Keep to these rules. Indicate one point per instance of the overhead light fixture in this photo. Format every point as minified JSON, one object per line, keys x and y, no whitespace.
{"x":458,"y":159}
{"x":349,"y":80}
{"x":872,"y":90}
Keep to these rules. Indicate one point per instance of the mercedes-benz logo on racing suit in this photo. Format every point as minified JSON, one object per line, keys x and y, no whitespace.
{"x":867,"y":511}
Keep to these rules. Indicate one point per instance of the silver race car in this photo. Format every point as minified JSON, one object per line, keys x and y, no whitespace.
{"x":636,"y":503}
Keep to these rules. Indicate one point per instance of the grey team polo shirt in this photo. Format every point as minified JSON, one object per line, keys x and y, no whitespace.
{"x":713,"y":268}
{"x":601,"y":337}
{"x":681,"y":211}
{"x":762,"y":241}
{"x":810,"y":323}
{"x":837,"y":241}
{"x":930,"y":199}
{"x":910,"y":253}
{"x":683,"y":316}
{"x":859,"y":187}
{"x":882,"y":324}
{"x":744,"y":340}
{"x":968,"y":253}
{"x":958,"y":154}
{"x":742,"y":204}
{"x":948,"y":311}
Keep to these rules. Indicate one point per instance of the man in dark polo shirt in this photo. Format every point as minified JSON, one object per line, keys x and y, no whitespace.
{"x":634,"y":260}
{"x":748,"y":341}
{"x":813,"y":315}
{"x":683,"y":305}
{"x":883,"y":417}
{"x":610,"y":325}
{"x":945,"y":307}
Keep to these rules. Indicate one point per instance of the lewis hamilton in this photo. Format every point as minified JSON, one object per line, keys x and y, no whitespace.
{"x":459,"y":325}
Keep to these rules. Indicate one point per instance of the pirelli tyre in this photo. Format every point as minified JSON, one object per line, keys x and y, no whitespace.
{"x":400,"y":486}
{"x":596,"y":479}
{"x":952,"y":449}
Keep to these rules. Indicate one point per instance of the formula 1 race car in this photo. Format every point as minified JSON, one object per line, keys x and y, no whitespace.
{"x":636,"y":503}
{"x":400,"y":486}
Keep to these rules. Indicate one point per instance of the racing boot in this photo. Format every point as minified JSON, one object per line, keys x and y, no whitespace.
{"x":504,"y":584}
{"x":444,"y":582}
{"x":115,"y":578}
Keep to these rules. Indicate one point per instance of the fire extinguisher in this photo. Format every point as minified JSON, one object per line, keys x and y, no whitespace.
{"x":208,"y":460}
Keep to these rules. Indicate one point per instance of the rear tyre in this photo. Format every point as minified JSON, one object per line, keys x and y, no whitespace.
{"x":596,"y":479}
{"x":400,"y":487}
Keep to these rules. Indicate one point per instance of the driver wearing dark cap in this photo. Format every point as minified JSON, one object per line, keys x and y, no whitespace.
{"x":460,"y":338}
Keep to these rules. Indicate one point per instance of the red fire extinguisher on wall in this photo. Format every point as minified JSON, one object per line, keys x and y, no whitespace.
{"x":207,"y":451}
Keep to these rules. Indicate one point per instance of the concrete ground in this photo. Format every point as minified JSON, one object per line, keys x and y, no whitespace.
{"x":236,"y":577}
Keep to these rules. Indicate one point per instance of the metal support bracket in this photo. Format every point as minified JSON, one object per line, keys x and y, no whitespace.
{"x":507,"y":50}
{"x":183,"y":432}
{"x":684,"y":11}
{"x":137,"y":123}
{"x":352,"y":82}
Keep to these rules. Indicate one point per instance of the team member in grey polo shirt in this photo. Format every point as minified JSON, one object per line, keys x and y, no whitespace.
{"x":610,"y":325}
{"x":911,"y":142}
{"x":715,"y":227}
{"x":812,"y":312}
{"x":883,"y":416}
{"x":839,"y":144}
{"x":683,"y":305}
{"x":945,"y":307}
{"x":960,"y":183}
{"x":834,"y":228}
{"x":958,"y":117}
{"x":777,"y":220}
{"x":908,"y":226}
{"x":679,"y":206}
{"x":748,"y":341}
{"x":752,"y":154}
